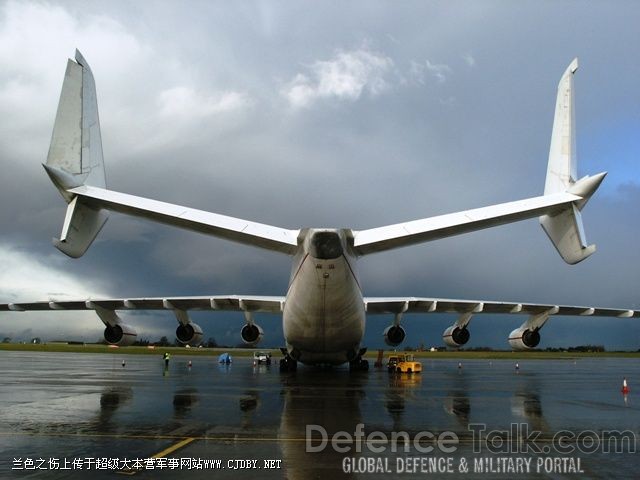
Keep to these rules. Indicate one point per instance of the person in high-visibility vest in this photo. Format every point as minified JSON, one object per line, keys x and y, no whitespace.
{"x":166,"y":357}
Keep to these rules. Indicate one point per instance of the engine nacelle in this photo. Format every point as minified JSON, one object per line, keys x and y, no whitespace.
{"x":189,"y":334}
{"x":120,"y":334}
{"x":455,"y":336}
{"x":524,"y":339}
{"x":251,"y":334}
{"x":394,"y":335}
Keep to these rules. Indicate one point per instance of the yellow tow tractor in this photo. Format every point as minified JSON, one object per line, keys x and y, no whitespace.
{"x":403,"y":363}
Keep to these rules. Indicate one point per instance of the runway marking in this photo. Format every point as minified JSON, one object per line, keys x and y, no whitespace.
{"x":127,"y":472}
{"x":163,"y":453}
{"x":173,"y":448}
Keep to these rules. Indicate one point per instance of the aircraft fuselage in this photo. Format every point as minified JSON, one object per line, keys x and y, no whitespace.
{"x":324,"y":315}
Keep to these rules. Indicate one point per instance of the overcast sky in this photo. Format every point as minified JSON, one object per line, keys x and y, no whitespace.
{"x":324,"y":114}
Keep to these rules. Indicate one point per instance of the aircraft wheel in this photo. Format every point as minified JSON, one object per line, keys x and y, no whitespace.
{"x":288,"y":364}
{"x":359,"y":365}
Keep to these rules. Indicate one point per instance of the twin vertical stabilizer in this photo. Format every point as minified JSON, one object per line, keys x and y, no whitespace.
{"x":75,"y":157}
{"x":565,"y":228}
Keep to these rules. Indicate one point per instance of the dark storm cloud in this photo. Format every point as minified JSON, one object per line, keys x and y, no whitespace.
{"x":326,"y":114}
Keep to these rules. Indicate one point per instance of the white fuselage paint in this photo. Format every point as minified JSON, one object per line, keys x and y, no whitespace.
{"x":324,"y":315}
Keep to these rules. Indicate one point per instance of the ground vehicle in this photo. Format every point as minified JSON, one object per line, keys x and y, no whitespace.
{"x":403,"y":363}
{"x":261,"y":358}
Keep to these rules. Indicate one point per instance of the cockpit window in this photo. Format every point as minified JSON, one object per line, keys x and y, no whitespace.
{"x":326,"y":245}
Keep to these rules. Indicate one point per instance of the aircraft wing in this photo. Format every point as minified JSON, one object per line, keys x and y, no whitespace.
{"x":525,"y":337}
{"x":399,"y":305}
{"x":236,"y":303}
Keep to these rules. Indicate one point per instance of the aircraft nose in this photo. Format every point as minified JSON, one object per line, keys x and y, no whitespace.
{"x":325,"y":245}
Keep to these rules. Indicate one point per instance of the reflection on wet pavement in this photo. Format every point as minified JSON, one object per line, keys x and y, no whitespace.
{"x":83,"y":405}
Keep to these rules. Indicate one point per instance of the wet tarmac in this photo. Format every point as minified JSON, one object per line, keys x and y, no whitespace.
{"x":80,"y":415}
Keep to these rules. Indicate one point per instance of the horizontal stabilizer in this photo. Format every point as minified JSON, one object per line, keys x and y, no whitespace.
{"x":434,"y":228}
{"x":235,"y":229}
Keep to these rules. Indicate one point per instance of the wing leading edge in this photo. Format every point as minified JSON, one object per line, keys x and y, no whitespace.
{"x":395,"y":305}
{"x":235,"y":303}
{"x":274,"y":304}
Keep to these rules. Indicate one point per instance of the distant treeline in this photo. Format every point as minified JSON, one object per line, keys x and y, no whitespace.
{"x":164,"y":342}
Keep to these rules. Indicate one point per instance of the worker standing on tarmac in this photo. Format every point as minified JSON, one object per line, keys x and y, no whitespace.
{"x":166,"y":357}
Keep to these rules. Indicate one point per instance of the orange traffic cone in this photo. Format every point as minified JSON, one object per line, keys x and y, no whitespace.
{"x":625,"y":387}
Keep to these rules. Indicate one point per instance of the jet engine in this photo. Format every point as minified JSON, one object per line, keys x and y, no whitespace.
{"x":251,"y":334}
{"x":524,"y":338}
{"x":456,"y":336}
{"x":394,"y":335}
{"x":120,"y":334}
{"x":189,"y":334}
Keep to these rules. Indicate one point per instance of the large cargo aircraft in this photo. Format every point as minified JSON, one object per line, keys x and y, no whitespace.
{"x":323,"y":310}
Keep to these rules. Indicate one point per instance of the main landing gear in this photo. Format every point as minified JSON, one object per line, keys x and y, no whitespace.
{"x":359,"y":364}
{"x":287,"y":364}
